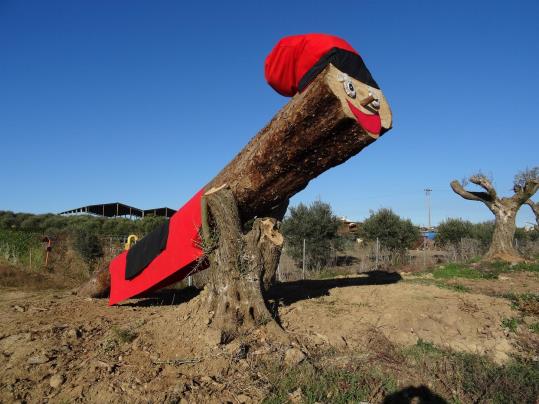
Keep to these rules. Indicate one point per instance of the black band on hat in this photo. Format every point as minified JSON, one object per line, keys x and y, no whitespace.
{"x":346,"y":61}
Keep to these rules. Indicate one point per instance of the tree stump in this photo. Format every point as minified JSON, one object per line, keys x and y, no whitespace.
{"x":240,"y":265}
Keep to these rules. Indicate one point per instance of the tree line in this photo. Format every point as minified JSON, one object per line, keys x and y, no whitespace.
{"x":319,"y":227}
{"x":84,"y":233}
{"x":51,"y":225}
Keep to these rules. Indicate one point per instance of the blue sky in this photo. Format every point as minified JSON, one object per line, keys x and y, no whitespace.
{"x":144,"y":102}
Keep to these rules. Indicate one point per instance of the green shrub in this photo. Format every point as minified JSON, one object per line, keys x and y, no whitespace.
{"x":317,"y":225}
{"x":453,"y":230}
{"x":393,"y":232}
{"x":87,"y":245}
{"x":21,"y":247}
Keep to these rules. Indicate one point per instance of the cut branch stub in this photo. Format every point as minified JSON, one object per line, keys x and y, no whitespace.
{"x":470,"y":195}
{"x":482,"y":181}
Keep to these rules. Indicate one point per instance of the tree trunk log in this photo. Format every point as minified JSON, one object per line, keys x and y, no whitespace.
{"x":501,"y":247}
{"x":314,"y":132}
{"x":238,"y":266}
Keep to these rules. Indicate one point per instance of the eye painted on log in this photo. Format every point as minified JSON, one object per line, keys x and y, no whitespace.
{"x":349,"y":88}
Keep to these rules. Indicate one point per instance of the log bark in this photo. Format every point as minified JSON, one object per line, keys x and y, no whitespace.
{"x":314,"y":132}
{"x":238,"y":265}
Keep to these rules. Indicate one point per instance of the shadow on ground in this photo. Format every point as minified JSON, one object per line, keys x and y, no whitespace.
{"x":346,"y":261}
{"x":291,"y":292}
{"x":284,"y":293}
{"x":164,"y":297}
{"x":419,"y":395}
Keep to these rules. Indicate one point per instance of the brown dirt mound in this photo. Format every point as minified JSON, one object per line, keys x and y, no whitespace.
{"x":62,"y":347}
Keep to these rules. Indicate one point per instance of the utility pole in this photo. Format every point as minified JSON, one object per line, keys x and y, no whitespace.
{"x":427,"y":196}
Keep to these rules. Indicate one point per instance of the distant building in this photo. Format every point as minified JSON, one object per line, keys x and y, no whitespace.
{"x":347,"y":226}
{"x":117,"y":209}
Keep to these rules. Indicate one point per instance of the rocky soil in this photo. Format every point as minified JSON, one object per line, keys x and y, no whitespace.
{"x":58,"y":347}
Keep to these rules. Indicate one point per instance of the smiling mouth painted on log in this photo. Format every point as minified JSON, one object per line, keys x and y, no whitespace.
{"x":372,"y":124}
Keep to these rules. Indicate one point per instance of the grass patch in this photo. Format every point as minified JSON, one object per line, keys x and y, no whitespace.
{"x":442,"y":285}
{"x":451,"y":271}
{"x":534,"y":328}
{"x":483,"y":271}
{"x":527,"y":303}
{"x":124,"y":335}
{"x":327,"y":384}
{"x":391,"y":374}
{"x":456,"y":287}
{"x":511,"y":323}
{"x":423,"y":348}
{"x":475,"y":378}
{"x":500,"y":266}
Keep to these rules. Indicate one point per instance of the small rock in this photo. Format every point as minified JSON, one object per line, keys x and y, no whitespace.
{"x":212,"y":337}
{"x":18,"y":308}
{"x":242,"y":399}
{"x":206,"y":379}
{"x":56,"y":381}
{"x":296,"y":396}
{"x":293,"y":357}
{"x":74,"y":333}
{"x":37,"y":360}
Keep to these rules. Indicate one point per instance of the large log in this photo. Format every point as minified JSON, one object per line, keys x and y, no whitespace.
{"x":314,"y":132}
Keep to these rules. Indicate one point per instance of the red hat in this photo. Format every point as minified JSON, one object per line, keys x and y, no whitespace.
{"x":296,"y":60}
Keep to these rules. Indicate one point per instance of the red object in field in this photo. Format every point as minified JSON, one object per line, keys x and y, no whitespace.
{"x":173,"y":264}
{"x":294,"y":56}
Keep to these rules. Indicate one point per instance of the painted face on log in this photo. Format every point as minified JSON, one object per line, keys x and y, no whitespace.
{"x":366,"y":103}
{"x":297,"y":60}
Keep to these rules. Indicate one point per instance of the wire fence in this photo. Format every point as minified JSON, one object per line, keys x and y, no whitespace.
{"x":365,"y":257}
{"x":29,"y":251}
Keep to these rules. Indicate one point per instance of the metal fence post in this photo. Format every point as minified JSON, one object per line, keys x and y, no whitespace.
{"x":303,"y":259}
{"x":377,"y":251}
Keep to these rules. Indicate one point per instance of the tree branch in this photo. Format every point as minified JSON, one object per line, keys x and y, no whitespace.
{"x":484,"y":183}
{"x":524,"y":193}
{"x":471,"y":196}
{"x":535,"y":209}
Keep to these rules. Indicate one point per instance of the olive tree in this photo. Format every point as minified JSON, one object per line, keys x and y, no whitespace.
{"x":392,"y":231}
{"x":317,"y":225}
{"x":505,"y":209}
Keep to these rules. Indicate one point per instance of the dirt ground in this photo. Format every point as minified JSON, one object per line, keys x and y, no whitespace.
{"x":57,"y":347}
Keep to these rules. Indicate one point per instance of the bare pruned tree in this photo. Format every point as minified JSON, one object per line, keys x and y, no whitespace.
{"x":505,"y":209}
